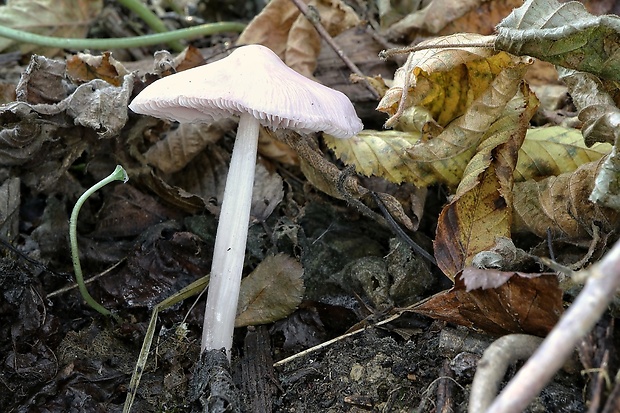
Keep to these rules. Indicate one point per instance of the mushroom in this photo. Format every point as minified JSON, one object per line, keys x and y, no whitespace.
{"x":254,"y":84}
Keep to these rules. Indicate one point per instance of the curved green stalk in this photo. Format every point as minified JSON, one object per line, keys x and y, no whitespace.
{"x":121,"y":42}
{"x":150,"y":18}
{"x":119,"y":174}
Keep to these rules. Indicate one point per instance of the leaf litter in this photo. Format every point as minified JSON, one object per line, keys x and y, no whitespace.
{"x":462,"y":120}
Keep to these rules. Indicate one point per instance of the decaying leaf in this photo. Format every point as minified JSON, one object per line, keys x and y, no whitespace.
{"x":481,"y":209}
{"x":545,"y":152}
{"x":445,"y":81}
{"x":601,"y":118}
{"x":553,"y":151}
{"x":180,"y":145}
{"x":275,"y":149}
{"x":46,"y":138}
{"x":304,"y":43}
{"x":443,"y":158}
{"x":84,"y":67}
{"x":564,"y":34}
{"x":525,"y":303}
{"x":444,"y":17}
{"x":205,"y":176}
{"x":271,"y":292}
{"x":64,"y":19}
{"x":560,"y":205}
{"x":281,"y":27}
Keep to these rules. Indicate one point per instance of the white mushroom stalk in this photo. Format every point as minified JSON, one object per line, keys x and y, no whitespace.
{"x":254,"y":84}
{"x":231,"y":239}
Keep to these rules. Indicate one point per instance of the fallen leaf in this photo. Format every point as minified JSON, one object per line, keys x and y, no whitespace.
{"x":271,"y":26}
{"x":445,"y":81}
{"x":129,"y":212}
{"x":43,"y":81}
{"x":555,"y":150}
{"x":601,"y":123}
{"x":180,"y":145}
{"x":481,"y":209}
{"x":441,"y":159}
{"x":304,"y":42}
{"x":271,"y":292}
{"x":84,"y":67}
{"x":564,"y":34}
{"x":560,"y":205}
{"x":525,"y":303}
{"x":281,"y":27}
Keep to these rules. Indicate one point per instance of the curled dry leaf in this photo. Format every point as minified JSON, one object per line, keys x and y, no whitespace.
{"x":560,"y":205}
{"x":46,"y":138}
{"x":445,"y":81}
{"x":271,"y":26}
{"x":84,"y":67}
{"x":43,"y":81}
{"x":304,"y":42}
{"x":525,"y":303}
{"x":443,"y":17}
{"x":271,"y":292}
{"x":601,"y":117}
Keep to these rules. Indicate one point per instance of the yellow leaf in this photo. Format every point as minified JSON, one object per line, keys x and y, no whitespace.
{"x":406,"y":157}
{"x":553,"y":151}
{"x":446,"y":81}
{"x":481,"y":209}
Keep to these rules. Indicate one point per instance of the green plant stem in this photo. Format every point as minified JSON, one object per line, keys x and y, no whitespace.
{"x":151,"y":19}
{"x":119,"y":174}
{"x":121,"y":42}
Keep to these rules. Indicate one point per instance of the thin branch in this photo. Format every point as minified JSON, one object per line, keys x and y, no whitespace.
{"x":316,"y":22}
{"x":386,"y":54}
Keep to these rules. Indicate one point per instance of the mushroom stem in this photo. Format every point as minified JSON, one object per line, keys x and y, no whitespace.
{"x":230,"y":240}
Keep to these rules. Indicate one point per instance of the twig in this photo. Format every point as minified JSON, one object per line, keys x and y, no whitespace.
{"x":386,"y":54}
{"x":603,"y":281}
{"x":316,"y":22}
{"x":119,"y":43}
{"x":332,"y":341}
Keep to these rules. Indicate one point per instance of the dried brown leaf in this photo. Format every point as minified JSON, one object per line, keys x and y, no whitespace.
{"x":271,"y":292}
{"x":304,"y":43}
{"x":271,"y":26}
{"x":560,"y":205}
{"x":179,"y":146}
{"x":526,"y":303}
{"x":84,"y":67}
{"x":481,"y":209}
